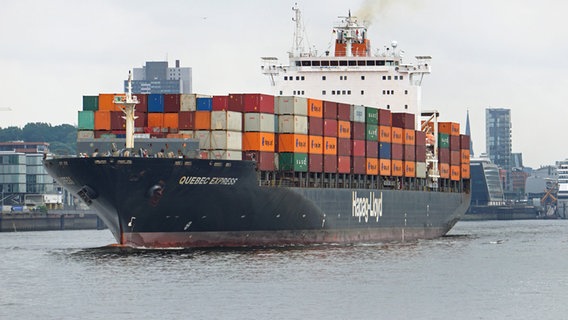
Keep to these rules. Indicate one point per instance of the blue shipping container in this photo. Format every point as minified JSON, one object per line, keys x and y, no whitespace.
{"x":384,"y":150}
{"x":204,"y":104}
{"x":155,"y":102}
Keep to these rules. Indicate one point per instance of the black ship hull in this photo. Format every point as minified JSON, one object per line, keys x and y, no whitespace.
{"x":171,"y":203}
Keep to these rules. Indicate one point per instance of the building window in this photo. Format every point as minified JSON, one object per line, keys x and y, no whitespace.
{"x":405,"y":91}
{"x":395,"y":77}
{"x":302,"y":92}
{"x":281,"y":92}
{"x":406,"y":106}
{"x":285,"y":78}
{"x":392,"y":91}
{"x":389,"y":77}
{"x":348,"y":92}
{"x":298,"y":78}
{"x":294,"y":92}
{"x":400,"y":77}
{"x":332,"y":92}
{"x":343,"y":92}
{"x":362,"y":92}
{"x":384,"y":77}
{"x":340,"y":77}
{"x":362,"y":77}
{"x":303,"y":78}
{"x":323,"y":78}
{"x":323,"y":92}
{"x":388,"y":106}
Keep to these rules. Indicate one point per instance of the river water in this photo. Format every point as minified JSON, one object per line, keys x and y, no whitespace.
{"x":481,"y":270}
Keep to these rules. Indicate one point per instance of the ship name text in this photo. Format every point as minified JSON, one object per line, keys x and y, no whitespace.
{"x":208,"y":180}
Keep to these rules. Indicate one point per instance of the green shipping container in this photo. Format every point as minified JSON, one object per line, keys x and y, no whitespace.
{"x":90,"y":103}
{"x":371,"y":115}
{"x":86,"y":120}
{"x":443,"y":140}
{"x":371,"y":132}
{"x":293,"y":162}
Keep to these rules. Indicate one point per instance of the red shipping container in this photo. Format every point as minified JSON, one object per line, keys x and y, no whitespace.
{"x":264,"y":160}
{"x":455,"y":158}
{"x":315,"y":126}
{"x":409,"y":152}
{"x":343,"y":164}
{"x":220,"y":103}
{"x":330,"y":128}
{"x":236,"y":102}
{"x":358,"y":165}
{"x":315,"y":163}
{"x":343,"y":147}
{"x":330,"y":163}
{"x":256,"y":102}
{"x":385,"y":117}
{"x":142,"y":105}
{"x":397,"y":151}
{"x":142,"y":120}
{"x":187,"y":120}
{"x":372,"y":149}
{"x":116,"y":121}
{"x":420,"y":153}
{"x":343,"y":112}
{"x":358,"y":148}
{"x":172,"y":102}
{"x":330,"y":110}
{"x":403,"y":120}
{"x":420,"y":138}
{"x":464,"y":141}
{"x":444,"y":156}
{"x":455,"y":143}
{"x":358,"y":131}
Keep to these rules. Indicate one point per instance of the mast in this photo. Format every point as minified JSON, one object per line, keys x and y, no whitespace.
{"x":127,"y":104}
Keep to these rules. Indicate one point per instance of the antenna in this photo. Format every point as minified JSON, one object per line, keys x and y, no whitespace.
{"x":128,"y":104}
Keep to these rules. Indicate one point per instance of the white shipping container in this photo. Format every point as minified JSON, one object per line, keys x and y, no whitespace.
{"x":85,"y":134}
{"x":291,"y":105}
{"x":421,"y":169}
{"x":226,"y":140}
{"x":259,"y":122}
{"x":226,"y":120}
{"x":141,"y":136}
{"x":226,"y":154}
{"x":188,"y":102}
{"x":204,"y":137}
{"x":293,"y":124}
{"x":357,"y":113}
{"x":189,"y":133}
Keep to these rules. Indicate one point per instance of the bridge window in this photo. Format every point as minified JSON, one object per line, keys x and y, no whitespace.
{"x":361,"y":62}
{"x":315,"y":63}
{"x":352,"y":62}
{"x":343,"y":63}
{"x":334,"y":63}
{"x":371,"y":62}
{"x":306,"y":63}
{"x":380,"y":62}
{"x":325,"y":63}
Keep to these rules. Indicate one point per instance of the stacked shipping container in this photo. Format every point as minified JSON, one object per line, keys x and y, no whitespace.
{"x":287,"y":134}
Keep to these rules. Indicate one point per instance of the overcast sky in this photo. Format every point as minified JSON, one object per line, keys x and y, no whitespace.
{"x":501,"y":54}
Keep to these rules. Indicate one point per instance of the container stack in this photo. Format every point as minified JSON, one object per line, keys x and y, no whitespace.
{"x":259,"y":130}
{"x":292,"y":133}
{"x":358,"y":141}
{"x":288,"y":134}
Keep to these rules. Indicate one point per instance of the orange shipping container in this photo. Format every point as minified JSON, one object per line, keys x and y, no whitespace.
{"x":465,"y":156}
{"x":106,"y":102}
{"x":465,"y":171}
{"x":372,"y":166}
{"x":384,"y":167}
{"x":290,"y":142}
{"x":451,"y":128}
{"x":171,"y":120}
{"x":385,"y":134}
{"x":315,"y":108}
{"x":396,"y":136}
{"x":455,"y":173}
{"x":102,"y":120}
{"x":155,"y":120}
{"x":409,"y":136}
{"x":397,"y":167}
{"x":258,"y":141}
{"x":344,"y":129}
{"x":315,"y":145}
{"x":410,"y":169}
{"x":330,"y":145}
{"x":202,"y":120}
{"x":444,"y":169}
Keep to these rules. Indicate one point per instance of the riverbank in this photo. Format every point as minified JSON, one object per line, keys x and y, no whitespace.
{"x":53,"y":220}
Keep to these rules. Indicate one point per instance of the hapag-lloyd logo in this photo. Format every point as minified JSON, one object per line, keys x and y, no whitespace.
{"x":267,"y":142}
{"x":365,"y":207}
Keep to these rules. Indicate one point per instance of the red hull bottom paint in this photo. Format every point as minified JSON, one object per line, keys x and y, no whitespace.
{"x":275,"y":238}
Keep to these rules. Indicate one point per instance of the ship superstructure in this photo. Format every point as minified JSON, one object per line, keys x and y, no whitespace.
{"x":353,"y":73}
{"x":562,"y":196}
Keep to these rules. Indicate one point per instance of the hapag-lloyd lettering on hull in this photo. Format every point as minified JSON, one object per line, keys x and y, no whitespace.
{"x":365,"y":207}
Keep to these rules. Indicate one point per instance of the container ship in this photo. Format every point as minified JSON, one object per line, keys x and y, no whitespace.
{"x":341,"y":153}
